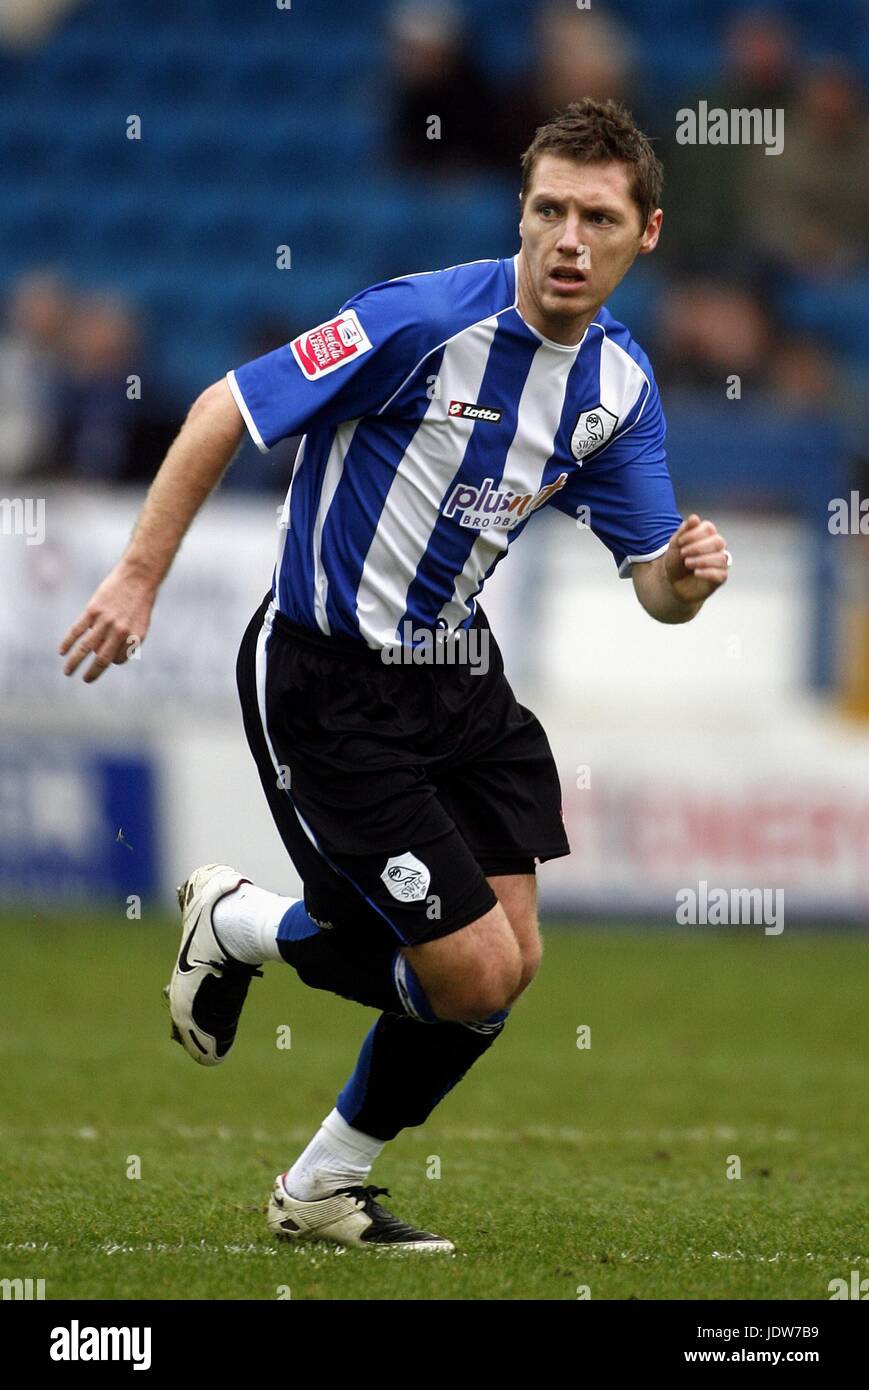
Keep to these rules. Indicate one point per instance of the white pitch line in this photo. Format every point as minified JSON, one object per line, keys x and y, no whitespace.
{"x":473,"y":1134}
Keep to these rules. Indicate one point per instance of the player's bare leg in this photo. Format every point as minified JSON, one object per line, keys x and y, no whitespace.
{"x":517,"y":894}
{"x":324,"y":1195}
{"x":469,"y":978}
{"x":405,"y":1067}
{"x":486,"y":966}
{"x":471,"y":973}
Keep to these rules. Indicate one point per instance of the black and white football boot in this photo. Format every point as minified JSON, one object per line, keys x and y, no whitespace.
{"x":348,"y":1216}
{"x":208,"y":988}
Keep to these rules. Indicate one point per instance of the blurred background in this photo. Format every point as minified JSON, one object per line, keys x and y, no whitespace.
{"x":189,"y":186}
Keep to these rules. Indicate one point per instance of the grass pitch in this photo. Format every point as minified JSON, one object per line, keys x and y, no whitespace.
{"x":560,"y":1167}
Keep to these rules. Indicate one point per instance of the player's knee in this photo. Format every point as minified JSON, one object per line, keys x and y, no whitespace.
{"x":471,"y":1007}
{"x":472,"y":973}
{"x":479,"y":994}
{"x":532,"y":954}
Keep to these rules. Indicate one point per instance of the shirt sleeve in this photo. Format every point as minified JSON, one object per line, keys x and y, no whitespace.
{"x":344,"y":368}
{"x":624,"y":493}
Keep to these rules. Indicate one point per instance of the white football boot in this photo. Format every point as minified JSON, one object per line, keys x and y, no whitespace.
{"x":348,"y":1216}
{"x":208,"y":987}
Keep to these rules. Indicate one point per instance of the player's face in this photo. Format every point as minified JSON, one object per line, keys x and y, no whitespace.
{"x":581,"y":232}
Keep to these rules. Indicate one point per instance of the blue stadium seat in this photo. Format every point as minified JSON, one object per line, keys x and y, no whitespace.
{"x":753,"y":455}
{"x":636,"y":302}
{"x":37,"y":224}
{"x":263,"y":127}
{"x":837,"y":314}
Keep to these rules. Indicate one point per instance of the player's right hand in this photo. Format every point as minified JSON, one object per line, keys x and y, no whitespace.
{"x":112,"y":626}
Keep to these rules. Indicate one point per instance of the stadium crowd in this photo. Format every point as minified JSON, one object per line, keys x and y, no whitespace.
{"x":762,"y":269}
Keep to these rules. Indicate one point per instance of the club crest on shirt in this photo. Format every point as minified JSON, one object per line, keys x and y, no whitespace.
{"x":406,"y":878}
{"x":593,"y":429}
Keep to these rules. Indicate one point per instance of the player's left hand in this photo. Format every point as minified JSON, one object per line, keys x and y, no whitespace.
{"x":697,"y":560}
{"x":113,"y":626}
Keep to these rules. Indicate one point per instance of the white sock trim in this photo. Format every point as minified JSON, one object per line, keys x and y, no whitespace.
{"x":349,"y":1143}
{"x":247,"y":921}
{"x":337,"y":1156}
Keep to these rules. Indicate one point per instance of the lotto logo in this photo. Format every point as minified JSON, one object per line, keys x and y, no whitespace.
{"x":465,"y":411}
{"x":330,"y":345}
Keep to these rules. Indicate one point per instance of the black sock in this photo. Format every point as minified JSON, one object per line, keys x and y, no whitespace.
{"x":407,"y":1064}
{"x":406,"y":1067}
{"x":364,"y":965}
{"x":362,"y":971}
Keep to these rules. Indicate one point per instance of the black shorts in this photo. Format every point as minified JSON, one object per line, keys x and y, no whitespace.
{"x":396,"y":789}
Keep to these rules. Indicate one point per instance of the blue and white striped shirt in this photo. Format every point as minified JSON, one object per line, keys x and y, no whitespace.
{"x":436,"y":422}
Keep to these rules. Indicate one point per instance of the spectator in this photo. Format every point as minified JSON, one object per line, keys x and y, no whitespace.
{"x":578,"y":54}
{"x":38,"y":316}
{"x":704,"y":218}
{"x":710,"y":331}
{"x":808,"y":209}
{"x":435,"y":77}
{"x":760,"y":57}
{"x":26,"y":23}
{"x":98,"y":419}
{"x":802,"y":378}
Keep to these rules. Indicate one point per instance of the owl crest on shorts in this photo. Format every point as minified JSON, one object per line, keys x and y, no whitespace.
{"x":406,"y":878}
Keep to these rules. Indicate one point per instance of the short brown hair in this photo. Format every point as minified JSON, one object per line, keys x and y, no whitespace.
{"x":598,"y":132}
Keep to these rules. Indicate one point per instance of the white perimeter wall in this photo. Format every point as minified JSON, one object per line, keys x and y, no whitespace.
{"x":685,"y":753}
